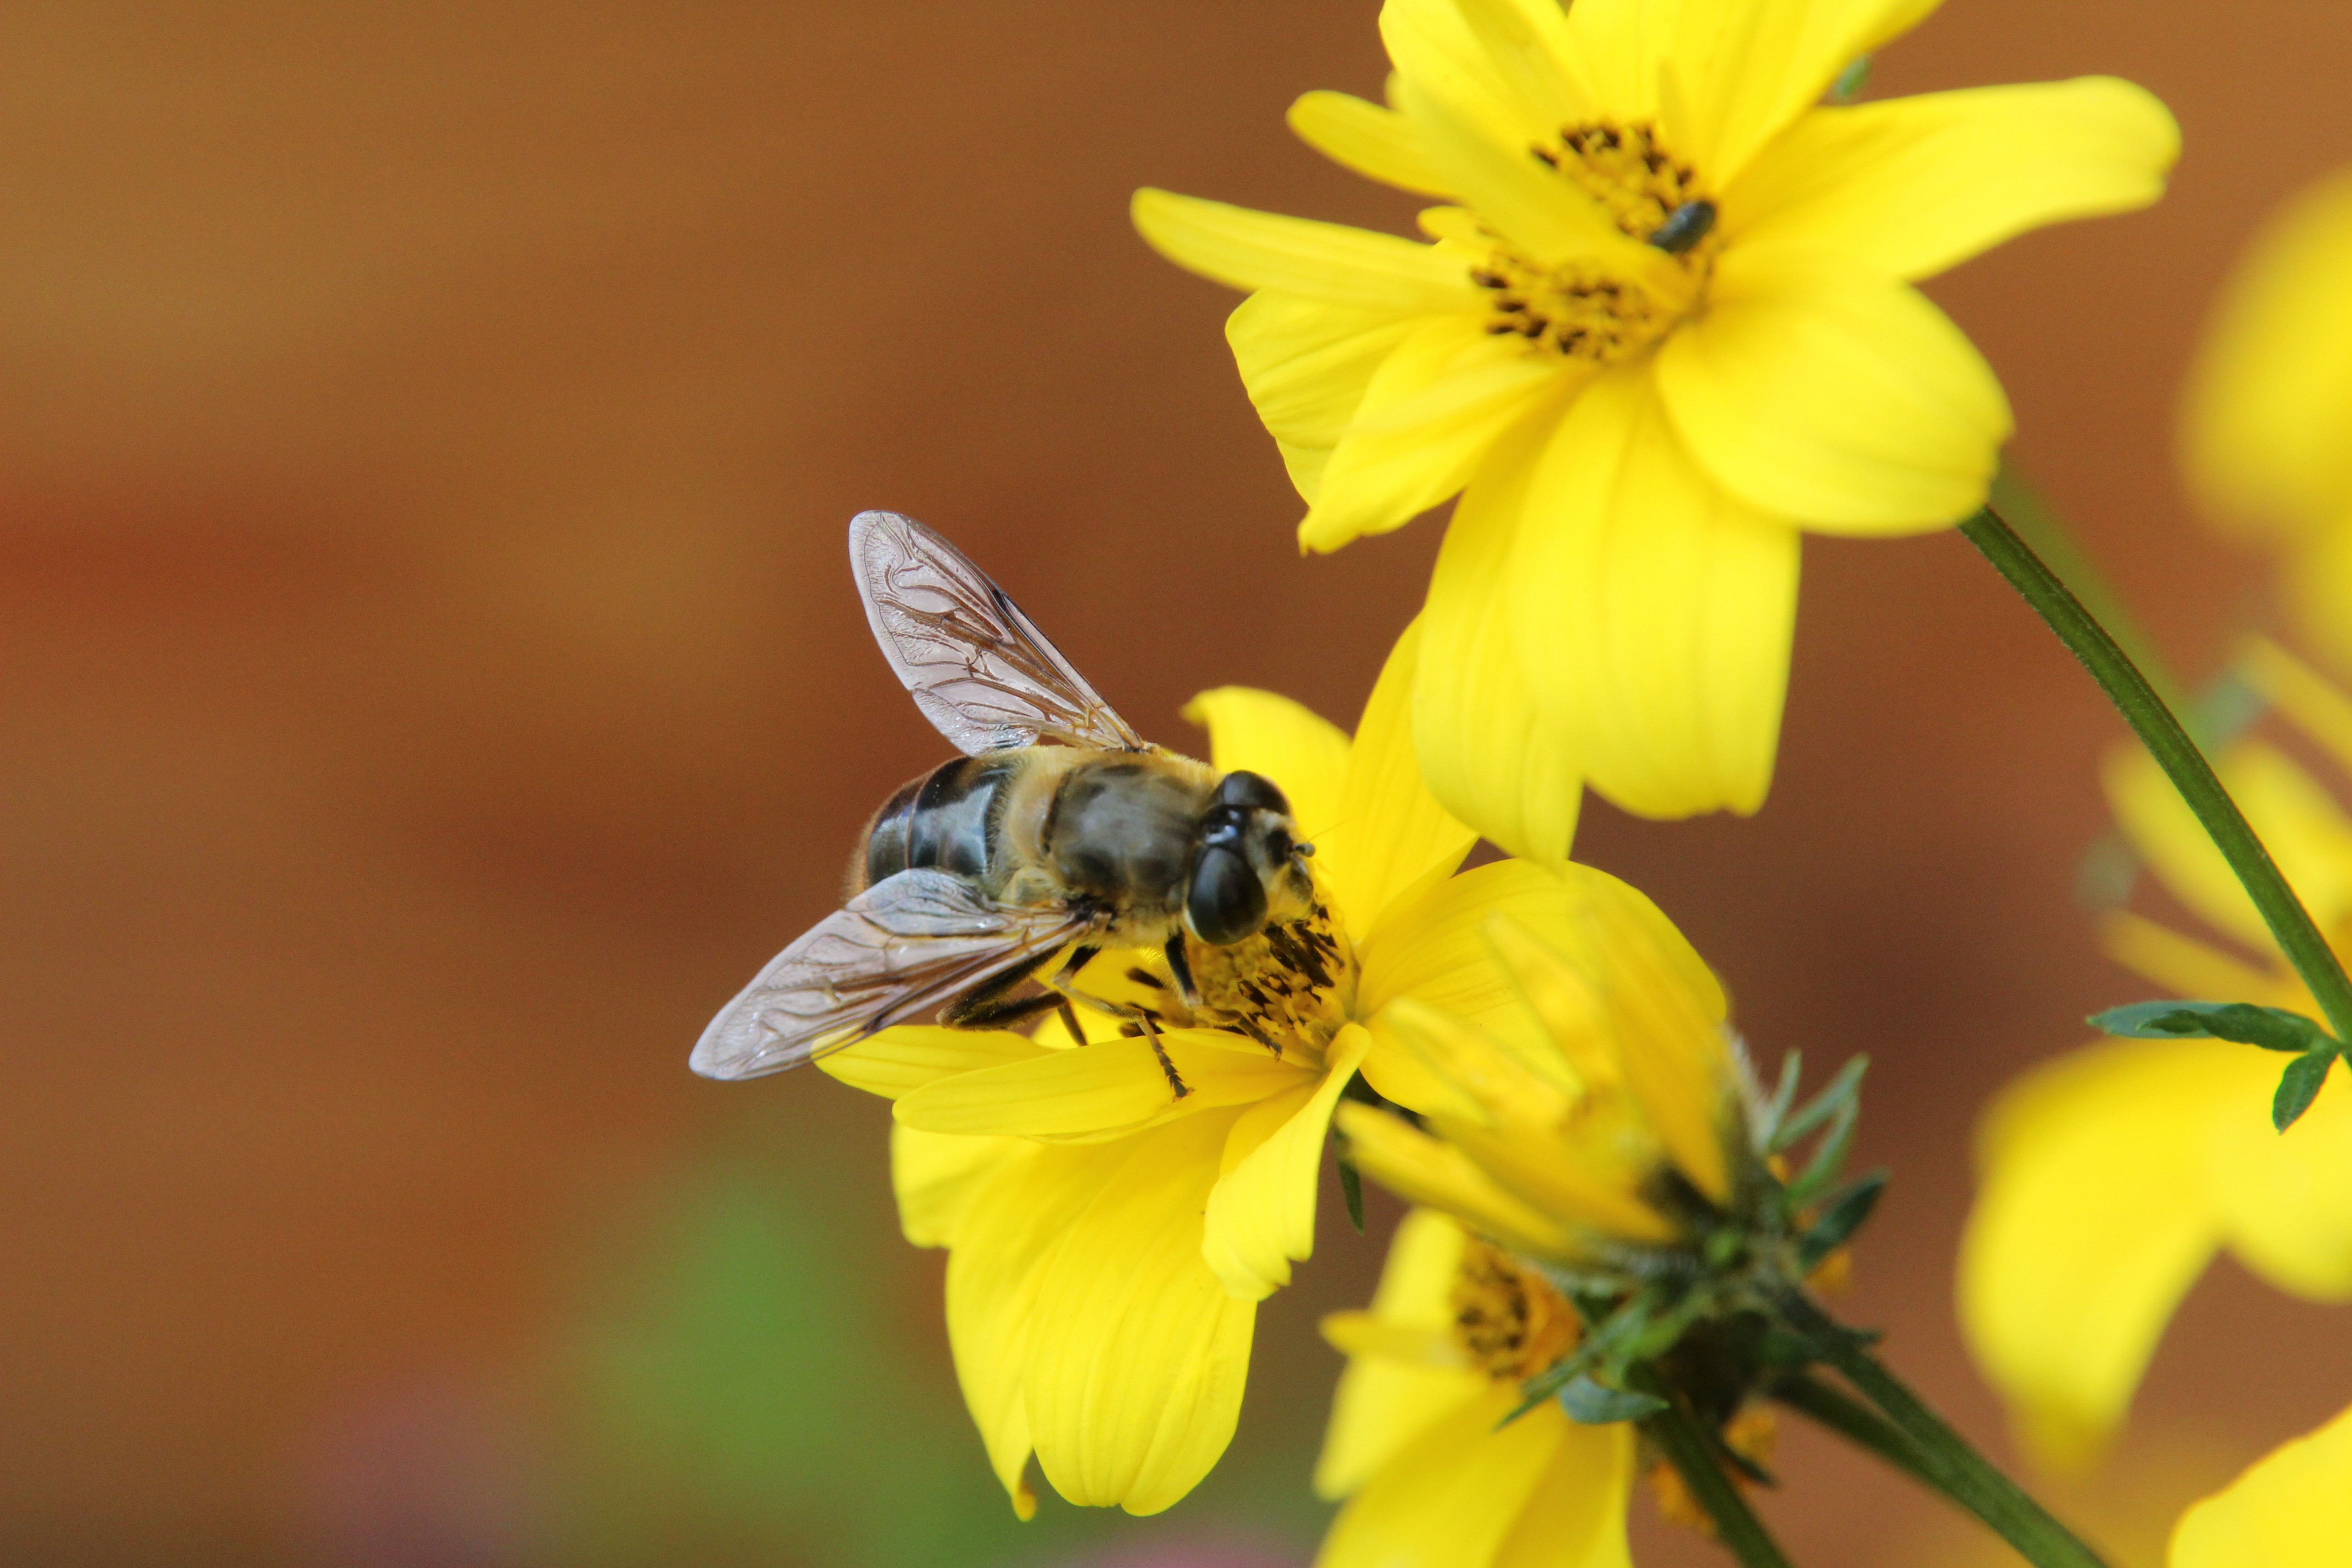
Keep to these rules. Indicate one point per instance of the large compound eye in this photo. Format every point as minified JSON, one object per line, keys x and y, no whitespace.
{"x":1227,"y":903}
{"x":1252,"y":790}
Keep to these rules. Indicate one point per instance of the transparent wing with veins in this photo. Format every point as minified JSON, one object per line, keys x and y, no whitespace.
{"x":897,"y":952}
{"x":980,"y":669}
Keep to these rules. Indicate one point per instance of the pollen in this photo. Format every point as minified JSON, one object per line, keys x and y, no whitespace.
{"x":1288,"y":987}
{"x":1508,"y":1321}
{"x":1584,"y":312}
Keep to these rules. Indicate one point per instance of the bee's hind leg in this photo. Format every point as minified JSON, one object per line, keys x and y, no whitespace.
{"x":1175,"y":1079}
{"x":987,"y":1004}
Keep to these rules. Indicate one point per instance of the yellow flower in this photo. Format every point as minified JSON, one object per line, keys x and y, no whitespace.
{"x":2264,"y":426}
{"x":1416,"y":1445}
{"x":1108,"y":1240}
{"x":2112,"y":1176}
{"x":1612,"y":1121}
{"x":1667,"y":321}
{"x":2291,"y":1509}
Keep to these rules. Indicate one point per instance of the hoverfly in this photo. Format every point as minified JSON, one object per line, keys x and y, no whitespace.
{"x":1059,"y":832}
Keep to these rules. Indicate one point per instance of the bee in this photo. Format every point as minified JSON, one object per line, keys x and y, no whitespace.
{"x":1060,"y":831}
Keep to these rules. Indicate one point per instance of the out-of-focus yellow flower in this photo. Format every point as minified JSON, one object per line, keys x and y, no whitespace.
{"x":2291,"y":1509}
{"x":1108,"y":1240}
{"x":2111,"y":1177}
{"x":1416,"y":1445}
{"x":1615,"y":1126}
{"x":2266,"y":424}
{"x":1667,"y":321}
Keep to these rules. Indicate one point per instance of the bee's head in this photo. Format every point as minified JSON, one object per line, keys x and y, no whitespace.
{"x":1248,"y":865}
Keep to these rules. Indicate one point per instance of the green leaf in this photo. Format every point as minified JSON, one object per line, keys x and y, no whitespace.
{"x":1841,"y":1219}
{"x":2299,"y":1086}
{"x":1351,"y":1189}
{"x":2272,"y":1028}
{"x":1598,"y":1405}
{"x":1851,"y":80}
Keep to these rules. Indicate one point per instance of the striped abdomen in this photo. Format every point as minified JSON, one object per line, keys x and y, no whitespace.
{"x":949,"y":818}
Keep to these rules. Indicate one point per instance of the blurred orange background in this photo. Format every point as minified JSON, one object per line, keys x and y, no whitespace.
{"x":433,"y":685}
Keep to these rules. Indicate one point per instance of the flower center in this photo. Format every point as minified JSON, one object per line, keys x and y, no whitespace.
{"x":1509,"y":1322}
{"x":1585,"y":310}
{"x":1288,"y":987}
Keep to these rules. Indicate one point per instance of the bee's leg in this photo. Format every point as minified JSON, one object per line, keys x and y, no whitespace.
{"x":1080,"y":956}
{"x":984,"y":1006}
{"x":1070,"y":1021}
{"x":1175,"y":1079}
{"x":1181,"y":968}
{"x":963,"y":1014}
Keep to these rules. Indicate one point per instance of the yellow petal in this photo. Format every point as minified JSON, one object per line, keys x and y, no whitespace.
{"x":1575,"y":1516}
{"x":1819,"y":392}
{"x":1434,"y":406}
{"x":1327,"y":262}
{"x":1420,"y":1169}
{"x":1433,"y":946}
{"x":2286,"y":1511}
{"x":1452,"y":1496}
{"x":937,"y":1176}
{"x":1261,"y":1215}
{"x":1388,"y":832}
{"x":1015,"y":1224}
{"x":900,"y":1060}
{"x":1136,"y":1369}
{"x":1620,"y":44}
{"x":2187,"y":967}
{"x":1508,"y":68}
{"x":2092,"y":1218}
{"x":2272,"y":393}
{"x":1362,"y":1335}
{"x":2285,"y":1200}
{"x":2314,"y":704}
{"x":1913,"y":185}
{"x":1376,"y":142}
{"x":1547,"y":219}
{"x":2318,"y":585}
{"x":1384,"y":1403}
{"x":1747,"y":68}
{"x":1491,"y":756}
{"x":1669,"y":1028}
{"x":2305,"y":831}
{"x":1305,"y":363}
{"x":1292,"y":744}
{"x":1500,"y":1085}
{"x":1379,"y":1406}
{"x":1103,"y":1090}
{"x":1653,"y":611}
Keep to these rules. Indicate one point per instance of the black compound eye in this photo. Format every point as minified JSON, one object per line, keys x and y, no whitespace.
{"x":1254,"y":791}
{"x":1226,"y":903}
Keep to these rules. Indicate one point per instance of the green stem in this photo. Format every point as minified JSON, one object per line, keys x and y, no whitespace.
{"x":2176,"y":753}
{"x":1853,"y":1421}
{"x":1945,"y":1459}
{"x":1676,"y":1434}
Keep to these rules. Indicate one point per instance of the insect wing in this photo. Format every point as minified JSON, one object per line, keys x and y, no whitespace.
{"x":980,"y":669}
{"x":899,"y":950}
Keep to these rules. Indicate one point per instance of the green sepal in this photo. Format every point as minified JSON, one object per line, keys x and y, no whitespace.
{"x":1851,"y":80}
{"x":1598,"y":1405}
{"x":1784,"y":1095}
{"x":1840,"y":1092}
{"x":2272,"y":1028}
{"x":1843,"y":1216}
{"x":1351,"y":1187}
{"x":2300,"y":1085}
